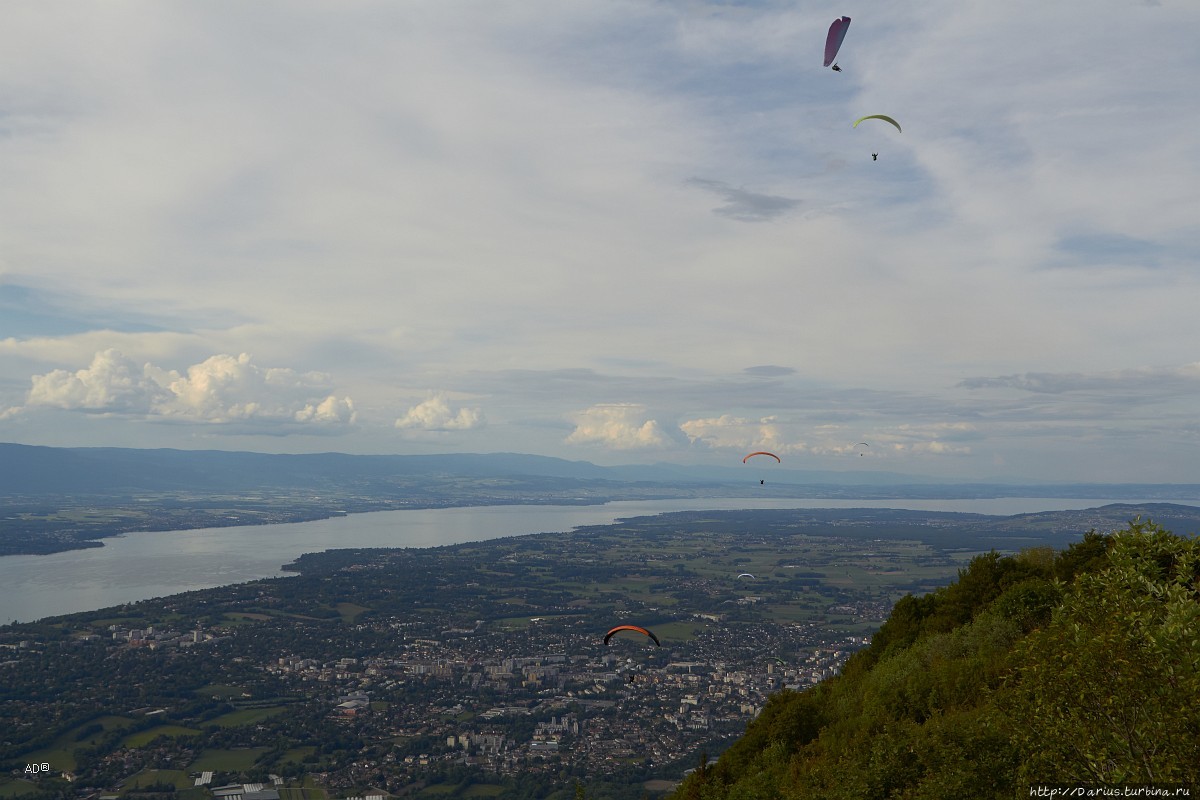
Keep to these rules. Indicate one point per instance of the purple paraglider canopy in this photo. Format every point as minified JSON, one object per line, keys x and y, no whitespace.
{"x":837,"y":32}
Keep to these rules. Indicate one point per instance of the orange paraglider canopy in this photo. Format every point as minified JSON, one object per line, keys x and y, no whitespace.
{"x":761,"y":453}
{"x":635,"y":629}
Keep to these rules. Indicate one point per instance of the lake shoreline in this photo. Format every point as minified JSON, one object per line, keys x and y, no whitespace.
{"x":161,"y":563}
{"x":32,"y":525}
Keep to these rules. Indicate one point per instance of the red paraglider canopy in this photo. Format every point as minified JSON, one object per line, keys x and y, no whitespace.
{"x":761,"y":453}
{"x":635,"y":629}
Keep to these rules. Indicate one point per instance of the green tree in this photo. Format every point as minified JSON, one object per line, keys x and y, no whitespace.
{"x":1109,"y":691}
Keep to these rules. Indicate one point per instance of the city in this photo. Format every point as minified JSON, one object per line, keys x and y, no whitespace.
{"x":385,"y":671}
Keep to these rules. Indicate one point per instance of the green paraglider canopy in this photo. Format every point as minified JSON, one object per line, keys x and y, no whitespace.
{"x":883,"y":117}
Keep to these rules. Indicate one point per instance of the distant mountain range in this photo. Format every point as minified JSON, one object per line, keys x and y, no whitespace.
{"x":54,"y":470}
{"x":30,"y":470}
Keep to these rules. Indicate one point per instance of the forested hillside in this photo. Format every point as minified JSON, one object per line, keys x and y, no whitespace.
{"x":1076,"y":668}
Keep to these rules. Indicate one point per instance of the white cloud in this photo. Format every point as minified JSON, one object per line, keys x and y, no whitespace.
{"x":221,"y":389}
{"x":620,"y":426}
{"x":331,"y":410}
{"x":111,"y":383}
{"x":738,"y":433}
{"x":435,"y":414}
{"x":938,"y":448}
{"x":834,"y":439}
{"x":932,"y":439}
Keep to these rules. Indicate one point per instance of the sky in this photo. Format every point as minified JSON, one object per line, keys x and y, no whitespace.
{"x":612,"y":231}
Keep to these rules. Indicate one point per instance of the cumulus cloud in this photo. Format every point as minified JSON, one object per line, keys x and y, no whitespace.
{"x":221,"y":389}
{"x":111,"y":383}
{"x":936,"y":439}
{"x":331,"y":410}
{"x":435,"y":414}
{"x":738,"y":433}
{"x":621,"y":426}
{"x":770,"y":433}
{"x":780,"y":436}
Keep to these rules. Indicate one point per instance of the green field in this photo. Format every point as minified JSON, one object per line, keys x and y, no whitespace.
{"x":350,"y":611}
{"x":16,"y":788}
{"x":238,"y":760}
{"x":222,"y":691}
{"x":296,"y":756}
{"x":249,"y":716}
{"x":308,"y":792}
{"x":799,"y":577}
{"x":143,"y":738}
{"x":678,"y":631}
{"x":109,"y":723}
{"x":59,"y":758}
{"x":61,"y":754}
{"x":175,"y":777}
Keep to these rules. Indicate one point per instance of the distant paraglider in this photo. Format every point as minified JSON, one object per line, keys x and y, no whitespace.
{"x":862,"y":444}
{"x":761,"y":481}
{"x":885,"y":118}
{"x":745,"y":575}
{"x":635,"y":629}
{"x":833,"y":41}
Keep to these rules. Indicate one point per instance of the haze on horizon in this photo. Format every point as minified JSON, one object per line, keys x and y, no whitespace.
{"x":609,"y":231}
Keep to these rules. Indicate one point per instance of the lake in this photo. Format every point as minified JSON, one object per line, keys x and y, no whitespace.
{"x":139,"y":566}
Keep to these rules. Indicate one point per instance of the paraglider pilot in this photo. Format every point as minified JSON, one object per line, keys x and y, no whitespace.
{"x":836,"y":68}
{"x":874,"y":157}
